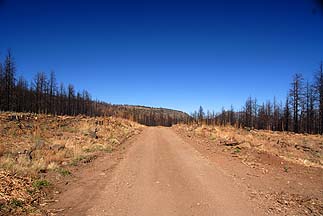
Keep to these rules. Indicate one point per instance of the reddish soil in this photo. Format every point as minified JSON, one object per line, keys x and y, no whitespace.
{"x":165,"y":172}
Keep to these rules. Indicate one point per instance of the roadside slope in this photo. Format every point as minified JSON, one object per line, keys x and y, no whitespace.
{"x":266,"y":165}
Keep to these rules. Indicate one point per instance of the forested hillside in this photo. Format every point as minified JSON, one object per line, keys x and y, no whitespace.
{"x":44,"y":95}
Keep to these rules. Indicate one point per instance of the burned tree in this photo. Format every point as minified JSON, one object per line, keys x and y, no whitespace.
{"x":295,"y":95}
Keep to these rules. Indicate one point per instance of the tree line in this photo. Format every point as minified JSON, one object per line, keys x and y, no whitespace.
{"x":301,"y":112}
{"x":41,"y":95}
{"x":44,"y":95}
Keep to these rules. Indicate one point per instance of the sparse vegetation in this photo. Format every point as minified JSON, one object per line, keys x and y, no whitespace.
{"x":260,"y":156}
{"x":16,"y":203}
{"x":237,"y":150}
{"x":34,"y":145}
{"x":41,"y":183}
{"x":265,"y":155}
{"x":286,"y":168}
{"x":77,"y":159}
{"x":63,"y":172}
{"x":18,"y":194}
{"x":302,"y":149}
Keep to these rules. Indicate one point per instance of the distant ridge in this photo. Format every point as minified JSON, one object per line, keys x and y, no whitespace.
{"x":151,"y":116}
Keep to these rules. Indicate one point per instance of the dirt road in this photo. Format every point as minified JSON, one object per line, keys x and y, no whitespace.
{"x":160,"y":174}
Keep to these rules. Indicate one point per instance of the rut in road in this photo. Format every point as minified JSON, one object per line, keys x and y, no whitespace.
{"x":162,"y":175}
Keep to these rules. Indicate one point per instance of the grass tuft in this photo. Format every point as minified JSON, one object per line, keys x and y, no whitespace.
{"x":237,"y":150}
{"x":63,"y":172}
{"x":16,"y":203}
{"x":39,"y":184}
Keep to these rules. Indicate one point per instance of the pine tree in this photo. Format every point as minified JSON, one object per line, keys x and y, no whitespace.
{"x":296,"y":99}
{"x":201,"y":115}
{"x":319,"y":93}
{"x":9,"y":82}
{"x":2,"y":84}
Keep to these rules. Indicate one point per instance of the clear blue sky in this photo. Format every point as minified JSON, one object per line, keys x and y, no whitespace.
{"x":166,"y":53}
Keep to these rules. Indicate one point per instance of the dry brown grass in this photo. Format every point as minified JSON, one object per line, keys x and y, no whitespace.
{"x":19,"y":194}
{"x":303,"y":149}
{"x":38,"y":144}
